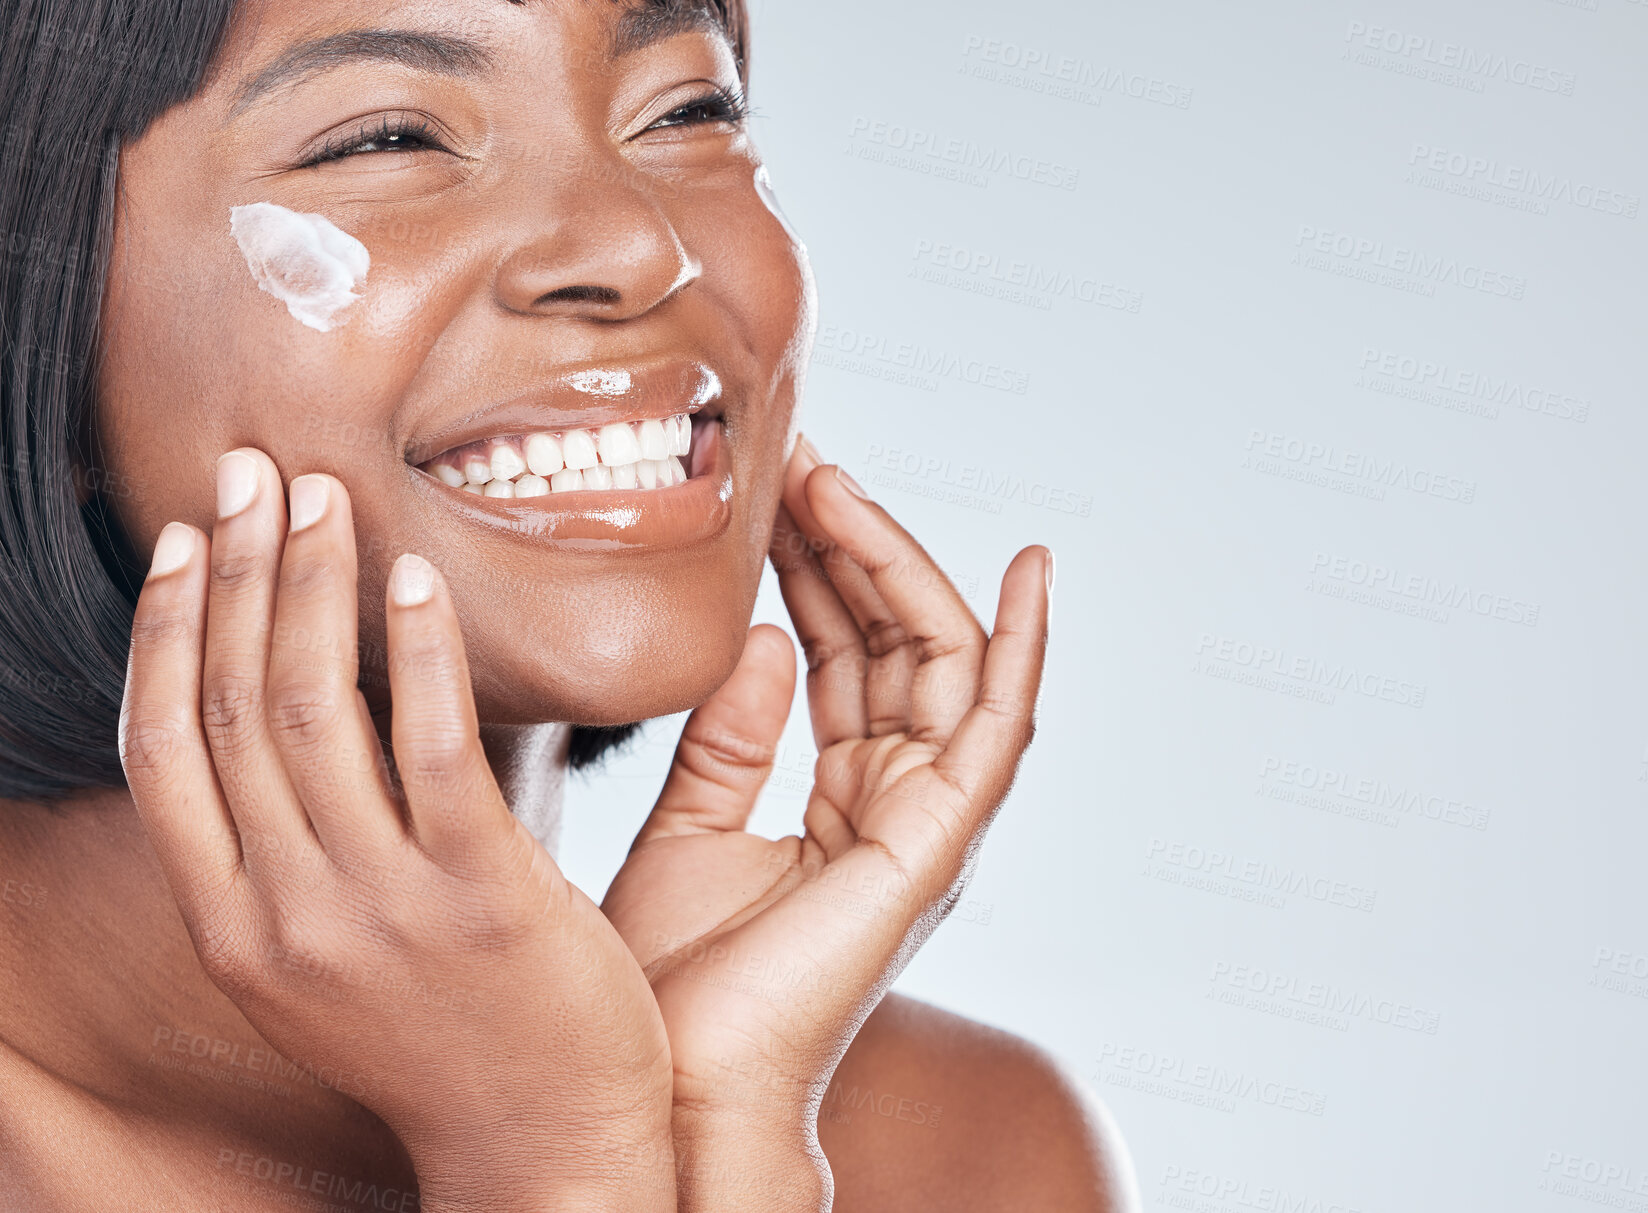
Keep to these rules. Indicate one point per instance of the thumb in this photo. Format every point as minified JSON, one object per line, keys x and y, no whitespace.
{"x":726,"y":751}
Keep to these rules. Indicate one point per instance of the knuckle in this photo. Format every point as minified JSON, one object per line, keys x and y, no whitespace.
{"x":821,"y":654}
{"x":435,"y":762}
{"x":230,"y":704}
{"x":152,"y":745}
{"x":160,"y":630}
{"x":311,"y":575}
{"x":970,"y":645}
{"x":883,"y":637}
{"x":237,"y":571}
{"x":226,"y":949}
{"x":304,"y":715}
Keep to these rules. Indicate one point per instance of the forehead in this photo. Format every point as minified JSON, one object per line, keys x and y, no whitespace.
{"x":273,"y":44}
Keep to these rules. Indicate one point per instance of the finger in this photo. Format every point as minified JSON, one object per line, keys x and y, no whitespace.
{"x":727,"y":747}
{"x":245,"y":560}
{"x":331,"y":757}
{"x":803,"y":459}
{"x":455,"y":805}
{"x":888,"y":657}
{"x":831,"y":642}
{"x":947,"y":642}
{"x":983,"y":755}
{"x":163,"y":747}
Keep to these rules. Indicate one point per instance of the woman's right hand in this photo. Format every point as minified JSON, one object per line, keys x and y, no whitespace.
{"x":400,"y":929}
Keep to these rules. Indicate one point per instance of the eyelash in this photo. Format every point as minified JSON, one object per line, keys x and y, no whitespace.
{"x":389,"y":130}
{"x":721,"y":105}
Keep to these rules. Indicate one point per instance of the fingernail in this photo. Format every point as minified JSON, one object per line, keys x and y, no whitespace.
{"x":809,"y":452}
{"x":1049,"y":571}
{"x":412,"y":582}
{"x":307,"y":500}
{"x":172,"y":549}
{"x":852,"y":486}
{"x":237,"y":483}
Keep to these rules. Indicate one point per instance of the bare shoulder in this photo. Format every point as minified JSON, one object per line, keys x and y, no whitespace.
{"x":929,"y":1110}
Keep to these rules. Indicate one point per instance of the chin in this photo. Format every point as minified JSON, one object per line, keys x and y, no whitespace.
{"x":609,"y":664}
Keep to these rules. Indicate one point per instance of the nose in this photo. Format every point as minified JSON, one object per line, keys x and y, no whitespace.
{"x":597,"y":245}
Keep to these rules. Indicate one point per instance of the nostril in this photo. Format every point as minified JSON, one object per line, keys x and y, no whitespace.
{"x":602,"y":295}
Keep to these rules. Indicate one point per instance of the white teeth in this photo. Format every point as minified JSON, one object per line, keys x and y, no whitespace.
{"x":654,"y":442}
{"x":543,"y":454}
{"x":621,"y":455}
{"x":506,"y":463}
{"x":618,"y":444}
{"x":578,"y":448}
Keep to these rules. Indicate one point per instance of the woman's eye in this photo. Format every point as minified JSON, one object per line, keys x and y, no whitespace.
{"x":719,"y":106}
{"x":391,"y":135}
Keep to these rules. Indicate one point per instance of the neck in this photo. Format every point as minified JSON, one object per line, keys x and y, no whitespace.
{"x":530,"y":762}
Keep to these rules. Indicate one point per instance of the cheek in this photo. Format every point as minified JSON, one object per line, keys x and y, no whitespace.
{"x":202,"y":358}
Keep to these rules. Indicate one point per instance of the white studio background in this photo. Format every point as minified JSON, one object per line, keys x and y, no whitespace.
{"x":1324,"y":383}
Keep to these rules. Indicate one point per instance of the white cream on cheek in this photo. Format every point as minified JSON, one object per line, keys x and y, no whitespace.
{"x":305,"y":261}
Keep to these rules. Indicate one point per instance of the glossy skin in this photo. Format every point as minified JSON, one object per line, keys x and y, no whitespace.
{"x":469,"y":1022}
{"x":483,"y":260}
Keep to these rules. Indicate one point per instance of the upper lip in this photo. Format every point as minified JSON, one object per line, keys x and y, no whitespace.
{"x":656,"y":387}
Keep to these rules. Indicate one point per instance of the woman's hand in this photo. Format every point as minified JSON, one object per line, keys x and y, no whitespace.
{"x":766,"y":956}
{"x":398,"y":931}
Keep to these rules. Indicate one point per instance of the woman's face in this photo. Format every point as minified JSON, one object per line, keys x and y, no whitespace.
{"x":565,"y":233}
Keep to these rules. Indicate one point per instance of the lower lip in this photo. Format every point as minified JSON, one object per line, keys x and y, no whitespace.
{"x":608,"y":519}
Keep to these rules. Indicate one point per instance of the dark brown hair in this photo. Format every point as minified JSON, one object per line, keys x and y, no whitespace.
{"x":77,"y":78}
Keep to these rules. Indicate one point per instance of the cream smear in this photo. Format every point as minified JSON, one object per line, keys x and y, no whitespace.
{"x":305,"y":261}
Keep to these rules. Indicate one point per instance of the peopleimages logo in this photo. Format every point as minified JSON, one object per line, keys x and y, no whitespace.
{"x":1419,"y":267}
{"x":1262,"y":875}
{"x":1211,"y":1192}
{"x":912,"y":147}
{"x":1325,"y":996}
{"x":1456,"y":56}
{"x":1335,"y":676}
{"x":1546,"y":187}
{"x":1041,"y":281}
{"x":926,"y":365}
{"x":1375,"y":793}
{"x":1501,"y":391}
{"x":1127,"y":1064}
{"x":1082,"y":75}
{"x":1429,"y":591}
{"x":1266,"y":449}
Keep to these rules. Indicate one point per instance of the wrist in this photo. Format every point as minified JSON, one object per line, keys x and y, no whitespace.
{"x":736,"y":1163}
{"x":508,"y":1168}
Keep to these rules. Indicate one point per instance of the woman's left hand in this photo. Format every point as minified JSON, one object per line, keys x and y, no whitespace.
{"x":766,"y":956}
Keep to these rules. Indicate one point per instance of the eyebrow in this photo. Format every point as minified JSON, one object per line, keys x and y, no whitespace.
{"x":636,"y":29}
{"x":639,"y":28}
{"x":428,"y":52}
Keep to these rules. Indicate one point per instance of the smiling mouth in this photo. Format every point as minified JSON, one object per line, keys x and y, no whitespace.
{"x":645,"y":427}
{"x":645,"y":455}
